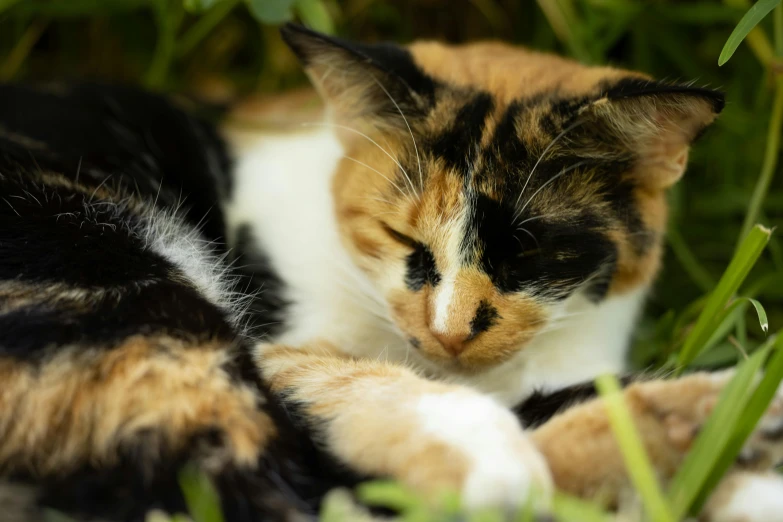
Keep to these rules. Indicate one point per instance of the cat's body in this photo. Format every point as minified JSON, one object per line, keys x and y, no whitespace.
{"x":491,"y":235}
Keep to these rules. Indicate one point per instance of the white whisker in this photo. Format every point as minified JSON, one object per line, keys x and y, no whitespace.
{"x":363,"y":135}
{"x":550,"y":181}
{"x":379,"y":173}
{"x":541,"y":157}
{"x":526,"y":231}
{"x":534,"y":218}
{"x":416,"y":148}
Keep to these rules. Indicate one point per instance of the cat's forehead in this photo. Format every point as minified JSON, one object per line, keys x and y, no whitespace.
{"x":509,"y":73}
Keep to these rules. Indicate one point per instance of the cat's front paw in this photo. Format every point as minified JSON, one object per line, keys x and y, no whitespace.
{"x":744,"y":496}
{"x":502,"y":467}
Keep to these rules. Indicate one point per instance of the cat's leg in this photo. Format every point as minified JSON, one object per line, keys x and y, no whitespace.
{"x":582,"y":453}
{"x":383,"y":420}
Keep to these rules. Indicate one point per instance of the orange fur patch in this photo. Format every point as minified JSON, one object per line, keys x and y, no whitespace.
{"x":87,"y":405}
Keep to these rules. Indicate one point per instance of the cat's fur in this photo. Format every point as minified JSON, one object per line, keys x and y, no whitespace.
{"x":489,"y":240}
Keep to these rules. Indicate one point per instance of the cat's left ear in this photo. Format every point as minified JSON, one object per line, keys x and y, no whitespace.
{"x":656,"y":122}
{"x":373,"y":81}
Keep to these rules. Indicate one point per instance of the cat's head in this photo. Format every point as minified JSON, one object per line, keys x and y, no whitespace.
{"x":483,"y":185}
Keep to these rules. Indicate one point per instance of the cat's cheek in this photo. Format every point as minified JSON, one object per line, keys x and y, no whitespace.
{"x":408,"y":310}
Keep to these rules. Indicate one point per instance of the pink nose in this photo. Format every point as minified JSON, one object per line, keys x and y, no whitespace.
{"x":454,"y":344}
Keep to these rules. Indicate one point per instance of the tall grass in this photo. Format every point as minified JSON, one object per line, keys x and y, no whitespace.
{"x":721,"y":290}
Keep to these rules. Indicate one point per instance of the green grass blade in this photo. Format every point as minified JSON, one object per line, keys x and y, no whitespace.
{"x":388,"y":494}
{"x":200,"y":496}
{"x":751,"y":19}
{"x":760,"y":312}
{"x":689,"y":481}
{"x":636,"y":461}
{"x":709,"y":319}
{"x":770,"y":163}
{"x":566,"y":508}
{"x":733,"y":315}
{"x":751,"y":414}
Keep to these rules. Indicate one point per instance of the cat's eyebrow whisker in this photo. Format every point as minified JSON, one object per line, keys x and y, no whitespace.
{"x":381,"y":174}
{"x":541,"y":157}
{"x":415,"y":147}
{"x":382,"y":200}
{"x":534,"y":218}
{"x":363,"y":135}
{"x":549,"y":182}
{"x":529,"y":234}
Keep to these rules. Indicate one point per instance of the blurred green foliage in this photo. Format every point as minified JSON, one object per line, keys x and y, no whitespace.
{"x":220,"y":50}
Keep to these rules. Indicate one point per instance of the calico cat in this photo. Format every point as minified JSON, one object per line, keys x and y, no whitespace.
{"x":465,"y":240}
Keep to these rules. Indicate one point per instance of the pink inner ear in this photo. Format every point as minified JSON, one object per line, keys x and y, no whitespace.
{"x":664,"y":162}
{"x":665,"y":156}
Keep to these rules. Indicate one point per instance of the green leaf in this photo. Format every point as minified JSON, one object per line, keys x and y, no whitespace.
{"x":760,"y":312}
{"x":198,"y":6}
{"x":713,"y":313}
{"x":315,"y":15}
{"x":637,"y":463}
{"x":714,"y":437}
{"x":7,"y":4}
{"x":200,"y":496}
{"x":754,"y":409}
{"x":272,"y":11}
{"x":751,"y":19}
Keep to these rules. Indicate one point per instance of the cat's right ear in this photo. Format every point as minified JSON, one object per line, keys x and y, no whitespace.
{"x":362,"y":81}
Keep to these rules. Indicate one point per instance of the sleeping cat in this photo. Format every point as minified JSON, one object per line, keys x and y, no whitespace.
{"x":465,"y":239}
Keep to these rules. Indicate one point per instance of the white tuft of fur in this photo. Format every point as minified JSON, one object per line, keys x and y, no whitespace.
{"x":506,"y":469}
{"x":754,"y":498}
{"x":168,"y":234}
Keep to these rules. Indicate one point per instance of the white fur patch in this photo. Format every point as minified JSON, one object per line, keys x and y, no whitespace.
{"x":443,"y":300}
{"x":331,"y":299}
{"x":758,"y":498}
{"x":444,"y":292}
{"x":505,"y":465}
{"x":167,"y":234}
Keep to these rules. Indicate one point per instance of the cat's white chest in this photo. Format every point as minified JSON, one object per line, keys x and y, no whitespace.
{"x":283,"y":191}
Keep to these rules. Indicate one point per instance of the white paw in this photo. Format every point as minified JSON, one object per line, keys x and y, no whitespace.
{"x":748,"y":497}
{"x":505,"y":469}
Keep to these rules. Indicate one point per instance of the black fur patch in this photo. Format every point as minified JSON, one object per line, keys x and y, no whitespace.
{"x":542,"y":406}
{"x":458,"y":144}
{"x":388,"y":58}
{"x":135,"y":138}
{"x":163,"y":307}
{"x":506,"y":150}
{"x":486,"y":316}
{"x":59,"y":235}
{"x":421,"y":269}
{"x":268,"y":306}
{"x":549,"y":258}
{"x":637,"y":87}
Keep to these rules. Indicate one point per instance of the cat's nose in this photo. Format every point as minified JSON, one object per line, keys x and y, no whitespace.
{"x":452,"y":343}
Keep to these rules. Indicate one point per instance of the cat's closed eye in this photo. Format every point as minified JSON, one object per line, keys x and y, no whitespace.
{"x":399,"y":236}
